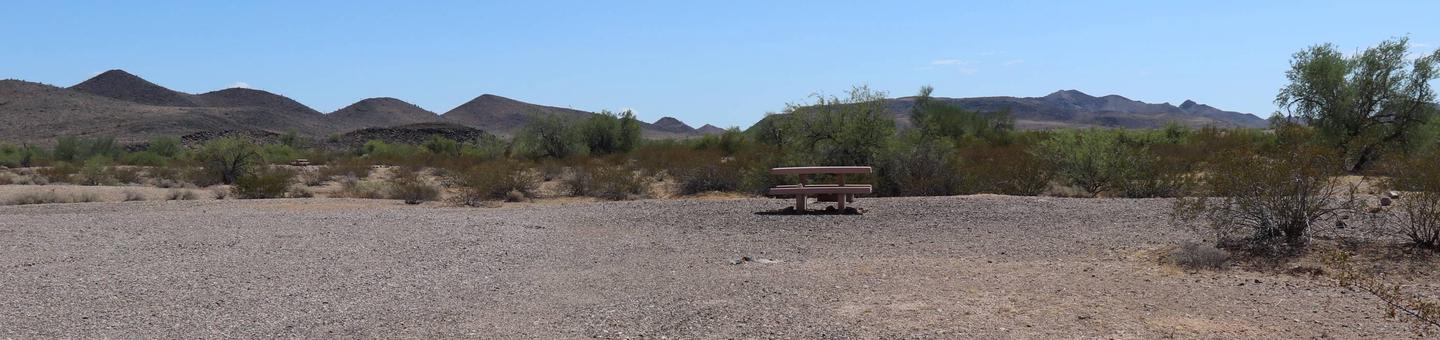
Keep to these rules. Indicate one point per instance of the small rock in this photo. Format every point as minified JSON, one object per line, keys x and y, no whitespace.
{"x":1392,"y":194}
{"x":1340,"y":224}
{"x":1385,"y":201}
{"x":737,"y":261}
{"x":1084,"y":317}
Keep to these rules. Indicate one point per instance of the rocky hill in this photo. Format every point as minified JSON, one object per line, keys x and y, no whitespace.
{"x":505,"y":117}
{"x":670,"y":124}
{"x":1075,"y":109}
{"x":379,"y":112}
{"x":118,"y":104}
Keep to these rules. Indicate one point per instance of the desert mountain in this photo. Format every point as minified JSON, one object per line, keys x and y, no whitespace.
{"x":670,"y":124}
{"x":124,"y":86}
{"x":38,"y":113}
{"x":379,"y":112}
{"x":505,"y":116}
{"x":710,"y":130}
{"x":1071,"y":109}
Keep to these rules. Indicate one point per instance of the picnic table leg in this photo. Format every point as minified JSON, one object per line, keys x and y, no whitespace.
{"x":799,"y":203}
{"x":840,"y":203}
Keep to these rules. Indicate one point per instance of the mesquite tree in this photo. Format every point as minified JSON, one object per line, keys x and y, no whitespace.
{"x":1362,"y":104}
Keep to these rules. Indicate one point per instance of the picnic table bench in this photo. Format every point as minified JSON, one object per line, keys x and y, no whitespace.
{"x":840,"y":192}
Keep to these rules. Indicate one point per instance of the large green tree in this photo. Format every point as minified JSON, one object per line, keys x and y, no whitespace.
{"x":1363,"y":104}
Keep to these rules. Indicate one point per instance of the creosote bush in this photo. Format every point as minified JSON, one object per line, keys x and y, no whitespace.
{"x":1261,"y":201}
{"x":263,"y":182}
{"x":1196,"y":256}
{"x":406,"y":185}
{"x":1416,"y":215}
{"x":612,"y":182}
{"x":493,"y":181}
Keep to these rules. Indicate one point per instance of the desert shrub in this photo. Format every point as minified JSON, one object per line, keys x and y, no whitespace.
{"x":165,"y":146}
{"x":20,"y":156}
{"x":355,"y":188}
{"x":694,"y":171}
{"x":143,"y":158}
{"x":1416,"y":215}
{"x":1091,"y":160}
{"x":380,"y":152}
{"x":131,"y":196}
{"x":227,"y":159}
{"x":1256,"y":201}
{"x":550,"y":136}
{"x":728,"y":142}
{"x":201,"y":177}
{"x":345,"y":167}
{"x":59,"y":172}
{"x":917,"y":165}
{"x":73,"y":149}
{"x":263,"y":182}
{"x":6,"y":179}
{"x":1008,"y":169}
{"x":181,"y":195}
{"x":95,"y":172}
{"x":299,"y":192}
{"x":50,"y":197}
{"x":1196,"y":256}
{"x":612,"y":182}
{"x":279,"y":153}
{"x":1152,"y":173}
{"x":494,"y":180}
{"x":407,"y":186}
{"x":440,"y":145}
{"x":831,"y":131}
{"x":607,"y":133}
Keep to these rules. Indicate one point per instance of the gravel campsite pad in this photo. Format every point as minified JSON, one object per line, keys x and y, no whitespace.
{"x":950,"y":267}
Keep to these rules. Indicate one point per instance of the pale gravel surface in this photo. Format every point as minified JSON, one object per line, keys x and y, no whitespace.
{"x":951,"y":267}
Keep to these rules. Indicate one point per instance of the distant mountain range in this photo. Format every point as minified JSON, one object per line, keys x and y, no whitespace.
{"x":1075,"y":109}
{"x":121,"y":105}
{"x":118,"y":104}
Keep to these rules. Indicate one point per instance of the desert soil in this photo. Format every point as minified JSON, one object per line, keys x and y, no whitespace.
{"x":950,"y":267}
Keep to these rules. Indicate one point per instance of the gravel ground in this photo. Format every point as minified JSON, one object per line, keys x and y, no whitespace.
{"x":951,"y":267}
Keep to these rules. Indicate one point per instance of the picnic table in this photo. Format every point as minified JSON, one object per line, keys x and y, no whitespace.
{"x":840,"y":192}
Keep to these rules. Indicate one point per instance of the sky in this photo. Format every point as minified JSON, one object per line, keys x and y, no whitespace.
{"x":723,"y":63}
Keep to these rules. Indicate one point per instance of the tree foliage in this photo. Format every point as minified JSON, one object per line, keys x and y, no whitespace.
{"x":1365,"y":104}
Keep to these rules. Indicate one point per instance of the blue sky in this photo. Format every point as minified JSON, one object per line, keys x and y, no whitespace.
{"x":725,"y":63}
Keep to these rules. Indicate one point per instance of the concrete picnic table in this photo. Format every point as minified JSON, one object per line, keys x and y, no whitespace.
{"x":842,"y":191}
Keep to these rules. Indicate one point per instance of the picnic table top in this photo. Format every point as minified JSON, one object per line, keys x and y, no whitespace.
{"x":805,"y":170}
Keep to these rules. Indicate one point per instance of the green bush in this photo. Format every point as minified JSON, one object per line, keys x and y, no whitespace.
{"x":494,"y":180}
{"x":1007,"y":169}
{"x":144,"y":158}
{"x":610,"y":182}
{"x":1416,"y":215}
{"x":228,"y":158}
{"x":165,"y":146}
{"x":917,"y":166}
{"x":407,"y":186}
{"x":1092,"y":160}
{"x":72,"y":149}
{"x":1260,"y":201}
{"x":95,"y":172}
{"x":550,"y":136}
{"x":608,"y":133}
{"x":263,"y":182}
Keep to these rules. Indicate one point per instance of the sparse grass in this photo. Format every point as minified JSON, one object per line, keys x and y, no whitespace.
{"x":1196,"y":256}
{"x":50,"y":197}
{"x":132,"y":196}
{"x":181,"y":195}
